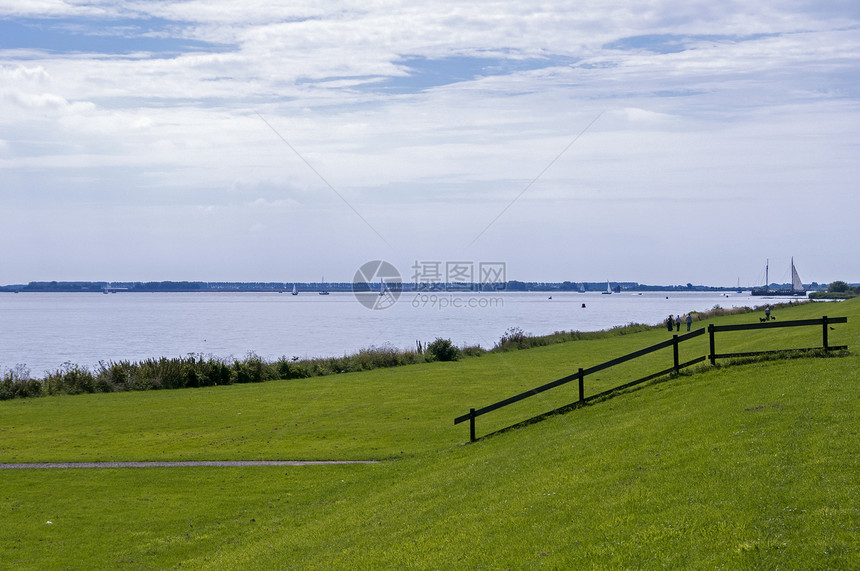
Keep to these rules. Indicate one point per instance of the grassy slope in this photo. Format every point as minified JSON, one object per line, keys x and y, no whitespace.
{"x":680,"y":473}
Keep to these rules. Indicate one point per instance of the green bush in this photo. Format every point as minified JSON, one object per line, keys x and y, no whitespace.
{"x":291,"y":369}
{"x":14,"y":385}
{"x":513,"y":338}
{"x":70,"y":379}
{"x":443,"y":350}
{"x":251,"y":370}
{"x":473,"y":351}
{"x":215,"y":372}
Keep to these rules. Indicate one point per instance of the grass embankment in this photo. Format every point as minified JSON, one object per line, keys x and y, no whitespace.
{"x":744,"y":466}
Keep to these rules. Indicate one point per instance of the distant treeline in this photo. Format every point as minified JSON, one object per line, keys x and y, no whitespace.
{"x":102,"y":286}
{"x":837,"y":290}
{"x":283,"y":287}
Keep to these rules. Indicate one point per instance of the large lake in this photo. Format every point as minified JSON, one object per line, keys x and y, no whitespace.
{"x":44,"y":330}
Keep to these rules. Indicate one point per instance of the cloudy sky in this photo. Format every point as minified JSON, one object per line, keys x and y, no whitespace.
{"x":661,"y":142}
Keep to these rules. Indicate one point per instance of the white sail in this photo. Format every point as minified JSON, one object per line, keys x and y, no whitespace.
{"x":796,"y":284}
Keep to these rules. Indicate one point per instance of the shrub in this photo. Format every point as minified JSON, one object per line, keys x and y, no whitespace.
{"x":215,"y":373}
{"x":70,"y":379}
{"x":513,"y":338}
{"x":473,"y":351}
{"x":443,"y":350}
{"x":191,"y":375}
{"x":251,"y":370}
{"x":291,"y":369}
{"x":18,"y":384}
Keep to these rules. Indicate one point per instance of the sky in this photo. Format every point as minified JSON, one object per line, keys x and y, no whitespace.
{"x":662,"y":142}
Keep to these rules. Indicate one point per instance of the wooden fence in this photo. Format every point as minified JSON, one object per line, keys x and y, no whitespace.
{"x":674,"y":342}
{"x":825,"y":322}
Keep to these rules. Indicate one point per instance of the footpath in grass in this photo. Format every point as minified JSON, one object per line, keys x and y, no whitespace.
{"x":751,"y":466}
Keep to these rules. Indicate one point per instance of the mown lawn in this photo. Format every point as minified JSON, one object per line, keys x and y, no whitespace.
{"x":746,"y":466}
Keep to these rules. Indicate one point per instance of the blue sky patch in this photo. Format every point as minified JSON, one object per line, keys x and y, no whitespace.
{"x":426,"y":73}
{"x":671,"y":43}
{"x":112,"y":37}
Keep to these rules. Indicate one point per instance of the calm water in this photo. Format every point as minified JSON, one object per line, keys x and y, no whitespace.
{"x":43,"y":330}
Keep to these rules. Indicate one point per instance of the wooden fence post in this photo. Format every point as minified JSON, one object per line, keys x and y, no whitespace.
{"x":824,"y":332}
{"x":676,"y":364}
{"x":581,"y":386}
{"x":713,"y":354}
{"x":471,"y":425}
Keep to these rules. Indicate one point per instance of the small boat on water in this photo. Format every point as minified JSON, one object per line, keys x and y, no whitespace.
{"x":795,"y":289}
{"x":295,"y":290}
{"x":608,"y":290}
{"x":323,"y":291}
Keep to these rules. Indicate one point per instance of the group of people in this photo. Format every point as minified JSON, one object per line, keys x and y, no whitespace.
{"x":675,"y":321}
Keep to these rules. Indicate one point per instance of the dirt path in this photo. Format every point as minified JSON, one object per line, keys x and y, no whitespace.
{"x":216,"y":463}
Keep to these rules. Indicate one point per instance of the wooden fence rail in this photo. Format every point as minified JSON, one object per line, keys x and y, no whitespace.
{"x":674,"y":342}
{"x":825,"y":323}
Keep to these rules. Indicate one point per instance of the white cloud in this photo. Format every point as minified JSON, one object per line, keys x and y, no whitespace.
{"x":637,"y":115}
{"x":33,"y":75}
{"x":54,"y":8}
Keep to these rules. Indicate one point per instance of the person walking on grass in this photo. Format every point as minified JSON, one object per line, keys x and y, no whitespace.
{"x":678,"y":322}
{"x":670,"y":322}
{"x":689,"y":321}
{"x":767,"y":313}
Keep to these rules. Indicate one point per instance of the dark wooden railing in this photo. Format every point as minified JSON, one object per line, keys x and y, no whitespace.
{"x":581,"y":373}
{"x":674,"y":342}
{"x":824,"y":322}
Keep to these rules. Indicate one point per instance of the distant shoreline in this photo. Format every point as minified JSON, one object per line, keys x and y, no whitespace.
{"x":315,"y":287}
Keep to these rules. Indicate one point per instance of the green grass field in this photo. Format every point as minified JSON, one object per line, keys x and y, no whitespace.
{"x":743,"y":466}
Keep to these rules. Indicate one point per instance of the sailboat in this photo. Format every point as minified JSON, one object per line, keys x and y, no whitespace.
{"x":795,"y":289}
{"x":295,"y":290}
{"x":323,"y":291}
{"x":582,"y":287}
{"x":608,"y":290}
